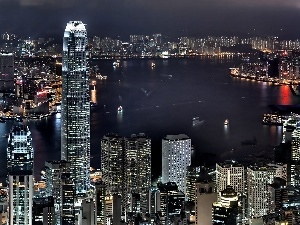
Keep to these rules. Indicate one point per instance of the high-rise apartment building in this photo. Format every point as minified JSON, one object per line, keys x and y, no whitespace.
{"x":138,"y":168}
{"x":75,"y":112}
{"x":176,"y":157}
{"x":7,"y":84}
{"x":20,"y":175}
{"x":112,"y":163}
{"x":126,"y":168}
{"x":259,"y":198}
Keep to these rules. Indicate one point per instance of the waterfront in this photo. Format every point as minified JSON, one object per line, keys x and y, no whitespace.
{"x":163,"y":100}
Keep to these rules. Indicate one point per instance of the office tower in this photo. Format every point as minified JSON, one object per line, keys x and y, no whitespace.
{"x":68,"y":199}
{"x":278,"y":193}
{"x":113,"y":163}
{"x":205,"y":197}
{"x":176,"y":157}
{"x":20,"y":175}
{"x":259,"y":199}
{"x":191,"y":178}
{"x":138,"y":168}
{"x":53,"y":173}
{"x":43,"y":211}
{"x":230,"y":173}
{"x":75,"y":112}
{"x":7,"y":84}
{"x":152,"y":203}
{"x":226,"y":211}
{"x":171,"y":202}
{"x":295,"y":158}
{"x":100,"y":190}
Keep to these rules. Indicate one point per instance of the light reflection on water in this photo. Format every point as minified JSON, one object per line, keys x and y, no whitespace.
{"x":221,"y":97}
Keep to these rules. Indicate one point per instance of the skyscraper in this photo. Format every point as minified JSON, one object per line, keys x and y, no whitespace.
{"x":176,"y":157}
{"x":112,"y":163}
{"x":259,"y":198}
{"x":138,"y":168}
{"x":54,"y":171}
{"x":20,"y":175}
{"x":75,"y":130}
{"x":7,"y":73}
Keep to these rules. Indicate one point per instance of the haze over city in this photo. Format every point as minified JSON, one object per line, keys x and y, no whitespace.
{"x":37,"y":18}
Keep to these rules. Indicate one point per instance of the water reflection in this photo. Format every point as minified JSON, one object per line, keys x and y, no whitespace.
{"x":94,"y":95}
{"x":284,"y":95}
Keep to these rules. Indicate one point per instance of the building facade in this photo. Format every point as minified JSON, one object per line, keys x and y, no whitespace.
{"x":230,"y":173}
{"x":176,"y":157}
{"x":138,"y":168}
{"x":75,"y":112}
{"x":7,"y":84}
{"x":53,"y":175}
{"x":20,"y":175}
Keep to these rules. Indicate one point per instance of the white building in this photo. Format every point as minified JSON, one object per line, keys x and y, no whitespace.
{"x":20,"y":175}
{"x":75,"y":112}
{"x":176,"y":157}
{"x":259,"y":199}
{"x":230,"y":173}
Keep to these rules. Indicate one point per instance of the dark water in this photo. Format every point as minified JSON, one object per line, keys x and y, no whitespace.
{"x":158,"y":104}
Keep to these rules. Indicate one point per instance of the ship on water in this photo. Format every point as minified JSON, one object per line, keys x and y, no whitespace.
{"x":197,"y":121}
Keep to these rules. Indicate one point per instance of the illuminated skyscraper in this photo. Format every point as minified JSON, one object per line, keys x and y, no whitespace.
{"x":54,"y":171}
{"x":7,"y":73}
{"x":20,"y":175}
{"x":75,"y":118}
{"x":176,"y":157}
{"x":138,"y":168}
{"x":112,"y":163}
{"x":259,"y":198}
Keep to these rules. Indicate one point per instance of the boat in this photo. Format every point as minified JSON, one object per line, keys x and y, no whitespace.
{"x":226,"y":122}
{"x":272,"y":119}
{"x":116,"y":63}
{"x":197,"y":121}
{"x":152,"y":65}
{"x":120,"y":109}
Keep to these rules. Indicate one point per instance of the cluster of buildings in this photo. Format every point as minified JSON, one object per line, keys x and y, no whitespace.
{"x":280,"y":67}
{"x":121,"y":192}
{"x":148,"y":46}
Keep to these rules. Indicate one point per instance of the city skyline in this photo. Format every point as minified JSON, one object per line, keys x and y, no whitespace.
{"x":113,"y":18}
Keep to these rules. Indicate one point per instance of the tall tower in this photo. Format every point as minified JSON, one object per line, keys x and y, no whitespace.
{"x":75,"y":113}
{"x":176,"y":157}
{"x":112,"y":163}
{"x":54,"y":172}
{"x":7,"y":73}
{"x":259,"y":198}
{"x":20,"y":175}
{"x":138,"y":168}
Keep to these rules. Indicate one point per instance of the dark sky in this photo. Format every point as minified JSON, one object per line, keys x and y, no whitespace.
{"x":39,"y":18}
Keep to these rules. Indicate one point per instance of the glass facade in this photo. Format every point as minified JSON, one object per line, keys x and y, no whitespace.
{"x":75,"y":112}
{"x":20,"y":175}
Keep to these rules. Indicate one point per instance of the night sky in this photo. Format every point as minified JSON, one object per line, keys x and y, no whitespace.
{"x":244,"y":18}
